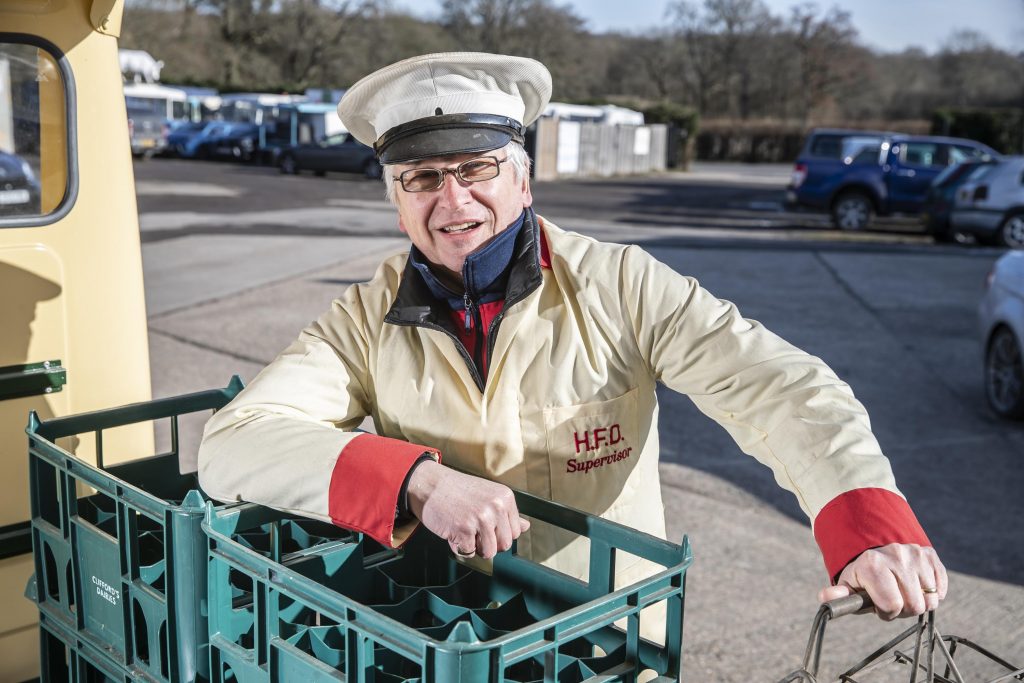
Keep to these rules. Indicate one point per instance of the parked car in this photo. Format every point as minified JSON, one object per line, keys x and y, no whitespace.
{"x":180,"y":135}
{"x":190,"y":147}
{"x":19,"y":188}
{"x":340,"y":152}
{"x":217,"y":144}
{"x":855,"y":175}
{"x":147,"y":132}
{"x":239,"y":141}
{"x":938,"y":203}
{"x":1001,"y":314}
{"x":990,"y":204}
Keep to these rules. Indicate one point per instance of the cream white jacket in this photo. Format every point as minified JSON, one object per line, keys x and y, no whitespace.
{"x":568,"y":410}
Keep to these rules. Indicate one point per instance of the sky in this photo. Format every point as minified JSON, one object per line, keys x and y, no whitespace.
{"x":886,"y":25}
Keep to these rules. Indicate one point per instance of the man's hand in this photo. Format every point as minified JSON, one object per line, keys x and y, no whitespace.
{"x":474,"y":515}
{"x":898,"y":578}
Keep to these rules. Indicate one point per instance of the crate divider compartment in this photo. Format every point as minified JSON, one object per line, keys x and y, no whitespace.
{"x":342,"y":609}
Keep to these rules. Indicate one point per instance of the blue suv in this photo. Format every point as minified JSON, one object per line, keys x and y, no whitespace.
{"x":857,"y":174}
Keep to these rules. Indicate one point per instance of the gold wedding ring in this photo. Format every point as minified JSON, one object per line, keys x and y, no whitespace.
{"x":929,"y":590}
{"x":461,"y":553}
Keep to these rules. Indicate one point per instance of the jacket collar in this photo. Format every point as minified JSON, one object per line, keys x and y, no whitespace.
{"x":485,"y":271}
{"x":416,"y":304}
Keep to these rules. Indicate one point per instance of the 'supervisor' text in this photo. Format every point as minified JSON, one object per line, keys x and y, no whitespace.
{"x":586,"y":465}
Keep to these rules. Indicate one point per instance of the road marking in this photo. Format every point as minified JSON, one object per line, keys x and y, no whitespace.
{"x":163,"y":188}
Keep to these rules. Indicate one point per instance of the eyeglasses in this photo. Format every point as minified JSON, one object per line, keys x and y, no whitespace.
{"x":472,"y":171}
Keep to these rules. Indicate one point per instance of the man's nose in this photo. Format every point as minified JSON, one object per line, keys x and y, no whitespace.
{"x":454,"y":190}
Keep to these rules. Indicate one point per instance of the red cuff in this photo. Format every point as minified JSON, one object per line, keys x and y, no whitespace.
{"x":860,"y":519}
{"x":366,"y":482}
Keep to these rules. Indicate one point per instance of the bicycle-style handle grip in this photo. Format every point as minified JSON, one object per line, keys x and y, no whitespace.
{"x":851,"y":604}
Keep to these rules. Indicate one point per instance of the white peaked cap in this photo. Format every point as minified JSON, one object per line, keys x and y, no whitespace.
{"x":446,"y":103}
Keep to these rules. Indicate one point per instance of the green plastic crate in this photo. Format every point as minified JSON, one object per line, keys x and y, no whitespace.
{"x":64,"y":658}
{"x":297,"y":600}
{"x":120,"y":555}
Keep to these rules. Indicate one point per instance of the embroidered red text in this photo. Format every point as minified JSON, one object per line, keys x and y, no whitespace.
{"x":592,"y":440}
{"x":586,"y":465}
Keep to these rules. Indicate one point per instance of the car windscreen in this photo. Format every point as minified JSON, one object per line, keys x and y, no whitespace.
{"x":953,"y":173}
{"x":846,"y":146}
{"x":980,"y":172}
{"x":146,"y":105}
{"x":865,"y":155}
{"x":143,"y":112}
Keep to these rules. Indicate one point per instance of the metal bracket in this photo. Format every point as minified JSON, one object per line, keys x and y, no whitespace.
{"x":106,"y":15}
{"x":15,"y":539}
{"x":34,"y":379}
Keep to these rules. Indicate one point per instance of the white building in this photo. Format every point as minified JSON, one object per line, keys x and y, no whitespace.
{"x":607,"y":114}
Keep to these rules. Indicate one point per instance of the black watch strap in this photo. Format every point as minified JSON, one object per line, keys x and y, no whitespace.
{"x":402,"y":508}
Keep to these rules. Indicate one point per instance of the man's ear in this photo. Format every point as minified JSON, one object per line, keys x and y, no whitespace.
{"x":401,"y":224}
{"x":527,"y":193}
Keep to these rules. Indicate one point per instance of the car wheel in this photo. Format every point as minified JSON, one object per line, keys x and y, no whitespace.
{"x":288,"y":165}
{"x":1004,"y":375}
{"x":852,"y":210}
{"x":373,"y":170}
{"x":1011,"y":232}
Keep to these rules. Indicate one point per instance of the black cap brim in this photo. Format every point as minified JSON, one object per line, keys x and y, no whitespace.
{"x":446,"y":135}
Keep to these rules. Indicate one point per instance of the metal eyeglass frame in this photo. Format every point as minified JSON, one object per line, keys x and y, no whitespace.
{"x":457,"y":172}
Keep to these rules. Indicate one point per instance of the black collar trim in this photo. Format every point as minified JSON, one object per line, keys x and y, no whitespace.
{"x":414,"y":303}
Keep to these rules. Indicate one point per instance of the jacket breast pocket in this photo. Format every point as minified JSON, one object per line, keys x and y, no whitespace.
{"x":593,"y":451}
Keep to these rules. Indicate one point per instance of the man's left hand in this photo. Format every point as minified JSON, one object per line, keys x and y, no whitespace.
{"x":898,"y":578}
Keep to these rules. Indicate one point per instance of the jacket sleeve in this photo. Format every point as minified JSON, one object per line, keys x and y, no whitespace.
{"x":781,"y":405}
{"x":287,"y":440}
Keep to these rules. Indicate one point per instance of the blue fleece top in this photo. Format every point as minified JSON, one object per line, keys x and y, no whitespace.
{"x":485,"y":271}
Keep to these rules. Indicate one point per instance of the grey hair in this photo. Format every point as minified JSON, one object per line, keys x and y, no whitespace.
{"x":516,"y":155}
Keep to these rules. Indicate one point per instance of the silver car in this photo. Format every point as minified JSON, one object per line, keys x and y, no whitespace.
{"x":990,"y":204}
{"x":1001,"y":314}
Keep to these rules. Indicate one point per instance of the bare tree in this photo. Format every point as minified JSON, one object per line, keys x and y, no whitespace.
{"x":825,"y":62}
{"x":541,"y":29}
{"x":490,"y":25}
{"x":309,"y":34}
{"x":974,"y":71}
{"x":726,"y":58}
{"x":692,"y":30}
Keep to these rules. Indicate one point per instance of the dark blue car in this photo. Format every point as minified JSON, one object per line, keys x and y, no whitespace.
{"x":19,"y":187}
{"x":340,"y":152}
{"x":855,"y":174}
{"x":238,"y":142}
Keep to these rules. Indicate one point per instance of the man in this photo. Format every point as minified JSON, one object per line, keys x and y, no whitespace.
{"x":529,"y":356}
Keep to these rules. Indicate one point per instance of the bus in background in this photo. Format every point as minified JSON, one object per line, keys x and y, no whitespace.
{"x":72,"y":311}
{"x":301,"y":123}
{"x":171,"y":104}
{"x":282,"y":121}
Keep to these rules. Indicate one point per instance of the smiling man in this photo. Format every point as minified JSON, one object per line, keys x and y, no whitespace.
{"x":529,"y":357}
